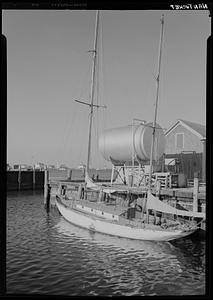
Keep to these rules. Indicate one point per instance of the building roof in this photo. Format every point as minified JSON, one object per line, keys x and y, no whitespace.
{"x":195,"y":128}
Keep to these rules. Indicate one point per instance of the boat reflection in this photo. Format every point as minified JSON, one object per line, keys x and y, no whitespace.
{"x":155,"y":248}
{"x":179,"y":256}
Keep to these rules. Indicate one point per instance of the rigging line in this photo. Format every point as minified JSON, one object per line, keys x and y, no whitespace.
{"x":85,"y":81}
{"x":70,"y":135}
{"x":63,"y":136}
{"x":94,"y":144}
{"x":102,"y":74}
{"x":92,"y":139}
{"x":71,"y":120}
{"x":95,"y":134}
{"x":68,"y":124}
{"x":149,"y":66}
{"x":82,"y":137}
{"x":97,"y":128}
{"x":78,"y":117}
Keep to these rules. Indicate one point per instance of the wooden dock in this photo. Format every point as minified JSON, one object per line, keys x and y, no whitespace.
{"x":20,"y":180}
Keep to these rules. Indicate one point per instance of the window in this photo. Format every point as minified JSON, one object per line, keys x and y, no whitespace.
{"x":179,"y":140}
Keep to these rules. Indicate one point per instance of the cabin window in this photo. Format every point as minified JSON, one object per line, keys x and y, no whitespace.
{"x":179,"y":140}
{"x":113,"y":216}
{"x":91,"y":209}
{"x":102,"y":213}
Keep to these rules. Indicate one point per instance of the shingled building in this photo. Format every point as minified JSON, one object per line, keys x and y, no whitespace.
{"x":186,"y":142}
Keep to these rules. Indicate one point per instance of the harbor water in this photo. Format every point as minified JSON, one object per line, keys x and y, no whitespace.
{"x":46,"y":255}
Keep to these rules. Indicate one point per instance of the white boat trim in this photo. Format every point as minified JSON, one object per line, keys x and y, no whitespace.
{"x":110,"y":227}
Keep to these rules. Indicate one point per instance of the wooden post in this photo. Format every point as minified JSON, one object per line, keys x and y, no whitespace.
{"x":158,"y":195}
{"x":34,"y":178}
{"x":139,"y":175}
{"x":46,"y":188}
{"x":59,"y":188}
{"x":145,"y":209}
{"x":158,"y":188}
{"x":147,"y":216}
{"x":79,"y":191}
{"x":163,"y":163}
{"x":124,"y":173}
{"x":142,"y":208}
{"x":100,"y":196}
{"x":204,"y":160}
{"x":19,"y":178}
{"x":166,"y":181}
{"x":47,"y":203}
{"x":130,"y":180}
{"x":112,"y":174}
{"x":195,"y":194}
{"x":170,"y":181}
{"x":155,"y":216}
{"x":69,"y":174}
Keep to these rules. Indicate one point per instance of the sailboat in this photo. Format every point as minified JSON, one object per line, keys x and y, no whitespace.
{"x":133,"y":213}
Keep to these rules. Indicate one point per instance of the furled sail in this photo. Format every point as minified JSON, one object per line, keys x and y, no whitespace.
{"x":89,"y":182}
{"x":154,"y":203}
{"x":91,"y":185}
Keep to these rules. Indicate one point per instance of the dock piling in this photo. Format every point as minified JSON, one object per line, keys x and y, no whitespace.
{"x":34,"y":178}
{"x":69,"y":174}
{"x":195,"y":194}
{"x":80,"y":191}
{"x":47,"y":202}
{"x":19,"y":178}
{"x":46,"y":189}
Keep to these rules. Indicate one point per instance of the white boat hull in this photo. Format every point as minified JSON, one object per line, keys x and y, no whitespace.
{"x":103,"y":226}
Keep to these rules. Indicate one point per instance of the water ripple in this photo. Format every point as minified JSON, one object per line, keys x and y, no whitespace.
{"x":47,"y":255}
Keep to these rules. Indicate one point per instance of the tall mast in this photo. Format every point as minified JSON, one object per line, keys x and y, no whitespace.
{"x":156,"y":102}
{"x":92,"y":89}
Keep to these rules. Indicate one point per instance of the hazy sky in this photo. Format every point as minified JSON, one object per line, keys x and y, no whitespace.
{"x":49,"y":66}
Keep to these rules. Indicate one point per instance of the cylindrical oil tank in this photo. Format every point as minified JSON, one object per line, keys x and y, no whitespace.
{"x":118,"y":144}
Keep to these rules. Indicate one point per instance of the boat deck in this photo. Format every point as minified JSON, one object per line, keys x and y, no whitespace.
{"x":106,"y":207}
{"x":114,"y":210}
